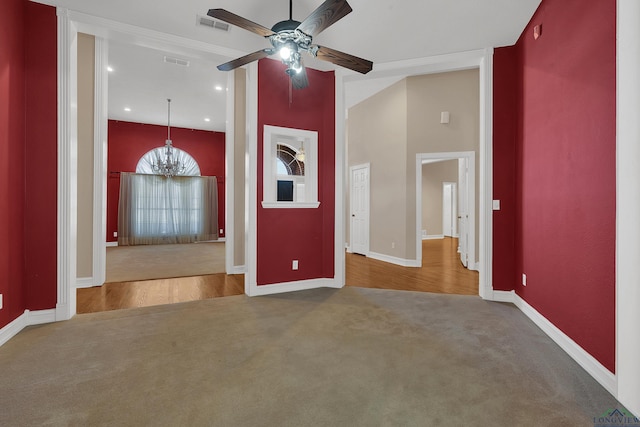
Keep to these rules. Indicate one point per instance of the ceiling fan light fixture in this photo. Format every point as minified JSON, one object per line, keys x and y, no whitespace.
{"x":285,"y":52}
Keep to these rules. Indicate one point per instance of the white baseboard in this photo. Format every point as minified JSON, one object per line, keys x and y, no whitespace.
{"x":300,"y":285}
{"x":502,"y":296}
{"x":238,"y":269}
{"x":84,"y":282}
{"x":27,"y":318}
{"x":111,"y":244}
{"x":432,"y":236}
{"x":577,"y":353}
{"x":394,"y":260}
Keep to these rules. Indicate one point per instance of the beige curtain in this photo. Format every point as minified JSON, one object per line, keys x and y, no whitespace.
{"x":154,"y":209}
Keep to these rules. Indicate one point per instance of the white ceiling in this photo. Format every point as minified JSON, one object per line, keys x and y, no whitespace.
{"x":379,"y":30}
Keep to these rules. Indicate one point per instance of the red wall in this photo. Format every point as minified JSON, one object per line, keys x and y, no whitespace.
{"x":505,"y":129}
{"x":12,"y":136}
{"x":128,"y":142}
{"x":303,"y":234}
{"x":40,"y":214}
{"x":565,"y":180}
{"x":28,"y":158}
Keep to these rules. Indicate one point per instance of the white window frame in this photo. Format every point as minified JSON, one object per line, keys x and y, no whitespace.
{"x":274,"y":135}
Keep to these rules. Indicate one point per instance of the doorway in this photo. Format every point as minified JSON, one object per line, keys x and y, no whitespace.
{"x":466,"y":204}
{"x":359,"y":191}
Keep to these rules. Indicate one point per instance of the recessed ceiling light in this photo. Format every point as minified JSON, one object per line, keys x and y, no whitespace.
{"x":207,"y":119}
{"x":218,"y":88}
{"x":110,"y":69}
{"x":127,"y":109}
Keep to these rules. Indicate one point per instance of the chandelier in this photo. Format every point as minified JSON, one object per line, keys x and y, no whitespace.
{"x":169,"y":166}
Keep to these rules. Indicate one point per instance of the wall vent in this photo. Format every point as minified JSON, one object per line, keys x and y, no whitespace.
{"x":177,"y":61}
{"x":212,"y":23}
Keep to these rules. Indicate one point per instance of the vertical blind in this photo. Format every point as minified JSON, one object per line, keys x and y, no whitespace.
{"x":154,"y":209}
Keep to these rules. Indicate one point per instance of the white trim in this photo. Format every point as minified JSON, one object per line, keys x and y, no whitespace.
{"x":67,"y":166}
{"x":39,"y":317}
{"x":251,"y":191}
{"x":14,"y":327}
{"x":290,"y":205}
{"x":229,"y":182}
{"x":86,"y":282}
{"x":110,"y":245}
{"x":577,"y":353}
{"x":471,"y":201}
{"x":340,"y":182}
{"x":28,"y":318}
{"x":394,"y":260}
{"x":300,"y":285}
{"x":628,"y":205}
{"x":485,"y":255}
{"x":502,"y":296}
{"x":238,"y":269}
{"x":100,"y":129}
{"x":433,"y":237}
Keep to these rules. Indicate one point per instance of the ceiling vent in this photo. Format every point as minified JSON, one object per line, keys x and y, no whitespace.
{"x":212,"y":23}
{"x":176,"y":61}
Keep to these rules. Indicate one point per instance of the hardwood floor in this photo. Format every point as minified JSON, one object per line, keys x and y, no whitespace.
{"x":144,"y":293}
{"x":441,"y":272}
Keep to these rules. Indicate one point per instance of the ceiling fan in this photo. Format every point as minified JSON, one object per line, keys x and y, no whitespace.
{"x":289,"y":38}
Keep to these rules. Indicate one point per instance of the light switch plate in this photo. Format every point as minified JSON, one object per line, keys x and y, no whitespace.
{"x":496,"y":205}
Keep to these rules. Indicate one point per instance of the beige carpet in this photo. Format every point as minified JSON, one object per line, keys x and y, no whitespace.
{"x":144,"y":262}
{"x":326,"y":357}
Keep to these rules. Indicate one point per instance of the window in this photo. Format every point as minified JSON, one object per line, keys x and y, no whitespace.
{"x":290,"y":175}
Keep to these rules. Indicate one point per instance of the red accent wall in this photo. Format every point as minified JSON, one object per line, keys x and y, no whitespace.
{"x":505,"y":130}
{"x":303,"y":234}
{"x":128,"y":142}
{"x":40,"y":215}
{"x":565,"y":181}
{"x":12,"y":136}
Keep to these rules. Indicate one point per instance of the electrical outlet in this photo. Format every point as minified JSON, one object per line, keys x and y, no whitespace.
{"x":0,"y":301}
{"x":294,"y":264}
{"x":115,"y":234}
{"x":393,"y":245}
{"x":524,"y":279}
{"x":221,"y":231}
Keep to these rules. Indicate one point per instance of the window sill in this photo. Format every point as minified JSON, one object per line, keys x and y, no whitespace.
{"x":290,"y":205}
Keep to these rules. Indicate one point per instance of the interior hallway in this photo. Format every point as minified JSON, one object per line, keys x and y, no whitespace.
{"x":441,"y":272}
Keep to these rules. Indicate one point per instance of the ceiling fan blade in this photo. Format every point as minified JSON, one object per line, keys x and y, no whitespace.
{"x":300,"y":80}
{"x":239,"y":62}
{"x":328,"y":13}
{"x":239,"y":21}
{"x":344,"y":59}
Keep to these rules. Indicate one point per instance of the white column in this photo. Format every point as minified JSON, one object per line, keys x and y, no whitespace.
{"x":628,"y":205}
{"x":67,"y":165}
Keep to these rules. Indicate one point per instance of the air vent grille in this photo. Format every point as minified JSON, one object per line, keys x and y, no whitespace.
{"x":212,"y":23}
{"x":176,"y":61}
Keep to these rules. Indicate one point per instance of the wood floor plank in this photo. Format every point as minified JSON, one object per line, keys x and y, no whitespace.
{"x":441,"y":272}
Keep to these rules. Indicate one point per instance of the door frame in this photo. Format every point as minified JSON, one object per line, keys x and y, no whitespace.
{"x":454,"y":212}
{"x":368,"y":216}
{"x":471,"y":201}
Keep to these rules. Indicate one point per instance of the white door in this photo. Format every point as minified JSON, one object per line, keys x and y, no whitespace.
{"x":359,"y":204}
{"x":449,"y":209}
{"x":463,"y":210}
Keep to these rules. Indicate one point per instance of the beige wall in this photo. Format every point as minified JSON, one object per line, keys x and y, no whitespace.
{"x":433,"y":176}
{"x":86,"y":75}
{"x":377,"y":134}
{"x":390,"y":128}
{"x":239,"y":166}
{"x":458,"y":93}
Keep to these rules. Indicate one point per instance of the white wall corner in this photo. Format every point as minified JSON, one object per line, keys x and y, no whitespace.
{"x":594,"y":368}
